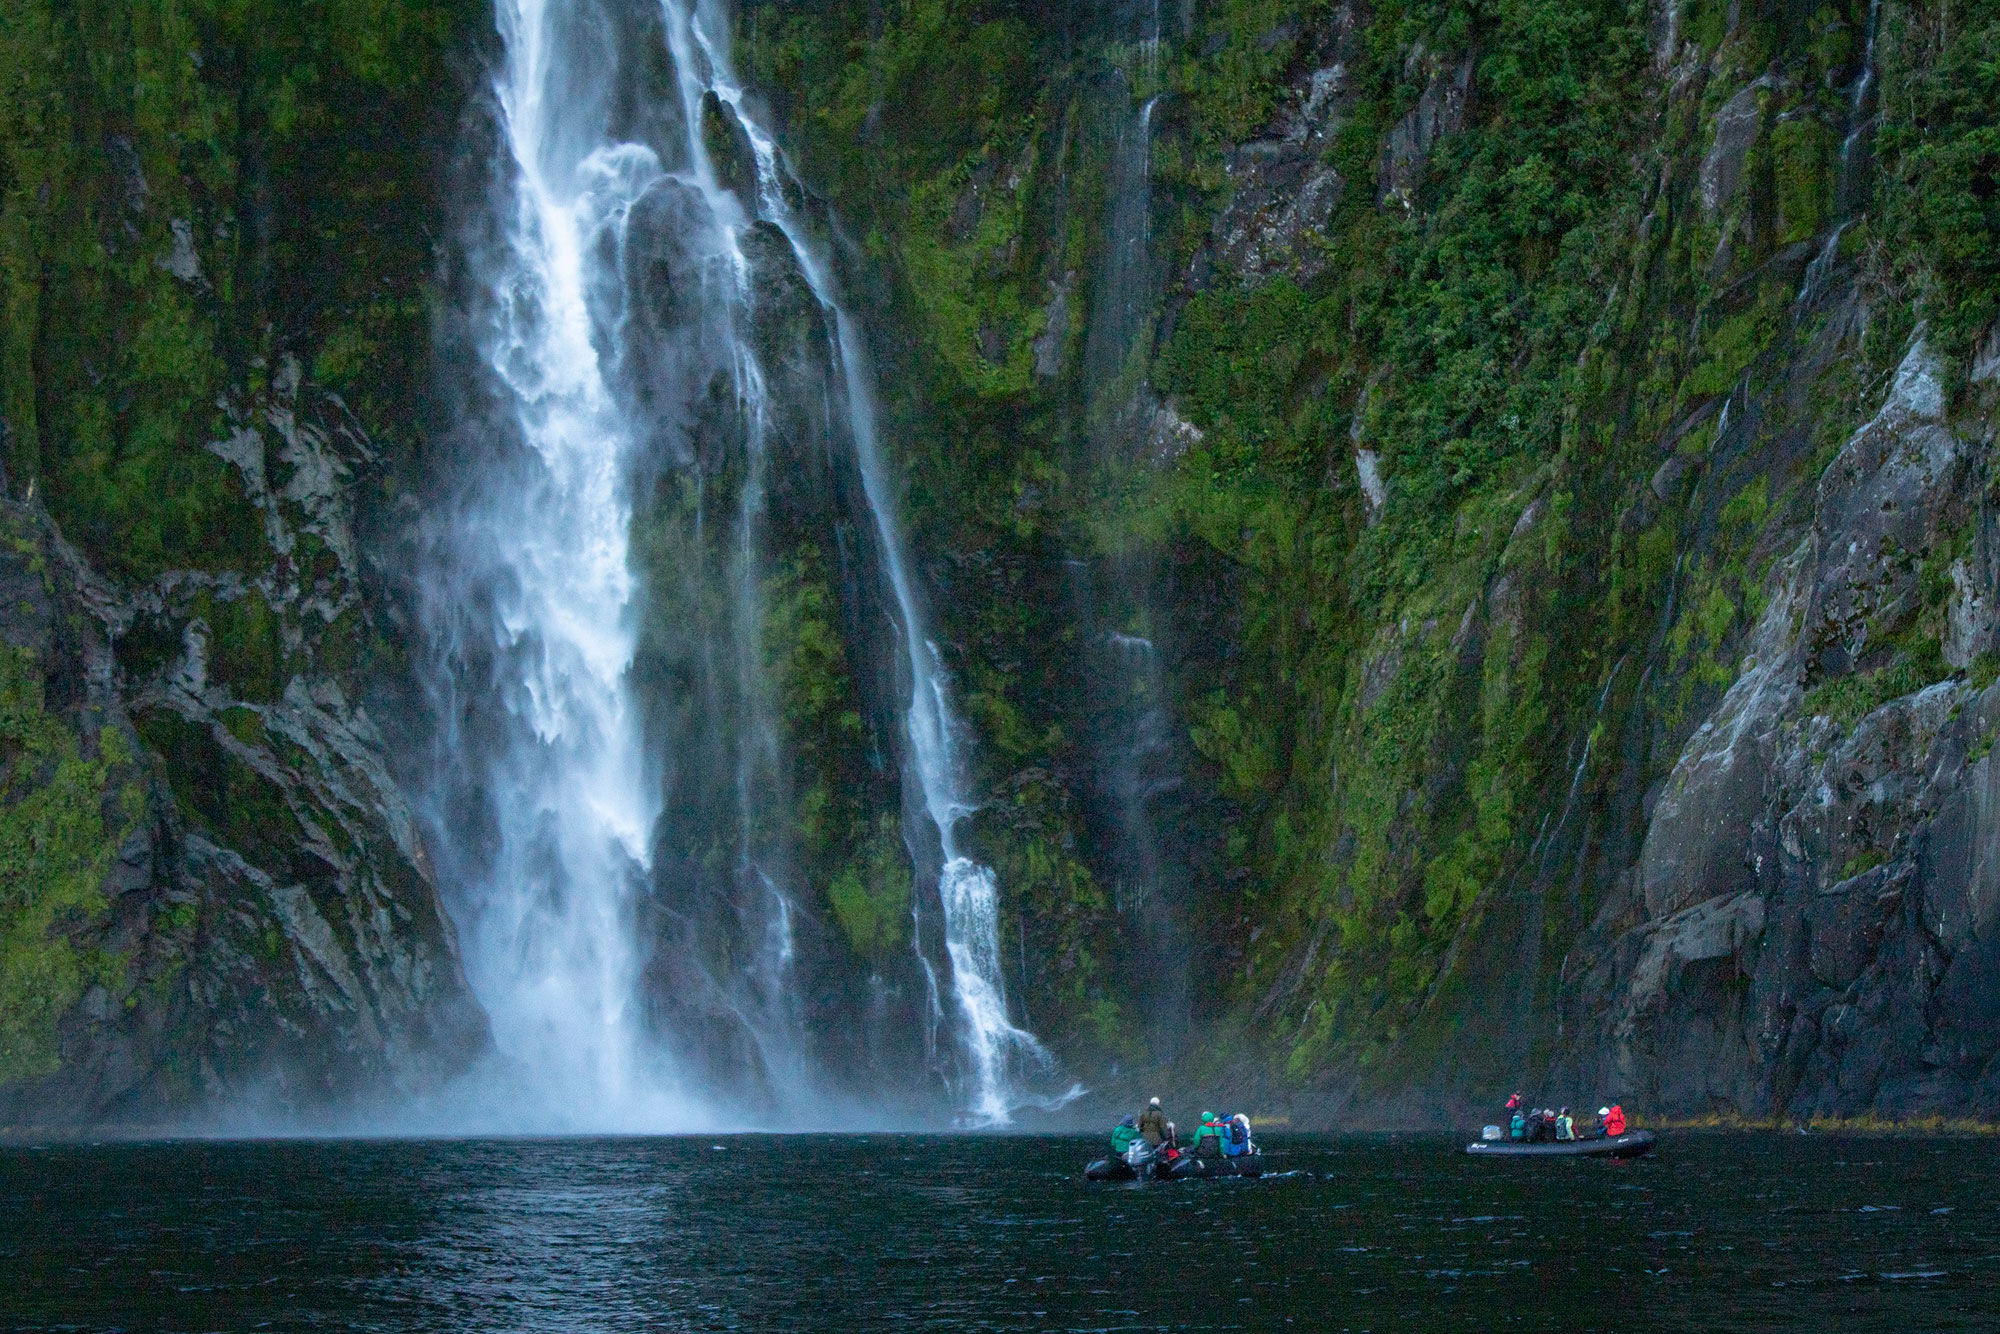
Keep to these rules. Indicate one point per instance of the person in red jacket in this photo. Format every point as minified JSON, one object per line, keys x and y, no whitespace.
{"x":1613,"y":1120}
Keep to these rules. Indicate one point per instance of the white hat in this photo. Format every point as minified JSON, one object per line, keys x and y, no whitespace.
{"x":1156,"y":1102}
{"x":1604,"y":1111}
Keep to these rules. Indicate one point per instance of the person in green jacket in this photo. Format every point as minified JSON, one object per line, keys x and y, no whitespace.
{"x":1208,"y":1137}
{"x":1122,"y":1136}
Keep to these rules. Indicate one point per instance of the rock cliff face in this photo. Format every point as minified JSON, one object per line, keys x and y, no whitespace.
{"x":215,"y":249}
{"x":1809,"y":928}
{"x":1529,"y":563}
{"x":1566,"y":459}
{"x":215,"y":900}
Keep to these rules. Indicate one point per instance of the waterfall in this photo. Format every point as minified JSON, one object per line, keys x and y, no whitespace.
{"x":617,"y":862}
{"x":1125,"y":289}
{"x":1860,"y":111}
{"x":543,"y":547}
{"x":1131,"y":725}
{"x":1123,"y":303}
{"x":968,"y":891}
{"x":1851,"y":174}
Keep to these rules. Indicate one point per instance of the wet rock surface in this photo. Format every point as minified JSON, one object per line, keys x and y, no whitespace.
{"x":1816,"y":905}
{"x":1284,"y":185}
{"x":1441,"y":110}
{"x":268,"y":930}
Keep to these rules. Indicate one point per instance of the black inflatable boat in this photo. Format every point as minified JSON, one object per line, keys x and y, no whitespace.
{"x":1631,"y":1144}
{"x":1189,"y":1168}
{"x":1117,"y":1169}
{"x":1184,"y":1168}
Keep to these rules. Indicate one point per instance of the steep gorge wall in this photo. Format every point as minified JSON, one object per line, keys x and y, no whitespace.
{"x":217,"y":232}
{"x":1546,"y":519}
{"x":1528,"y":388}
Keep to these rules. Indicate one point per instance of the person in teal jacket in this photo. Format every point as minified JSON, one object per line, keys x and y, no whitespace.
{"x":1122,"y":1136}
{"x":1208,"y":1137}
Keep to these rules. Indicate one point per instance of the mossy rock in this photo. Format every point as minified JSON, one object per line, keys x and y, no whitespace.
{"x":67,"y":802}
{"x":729,"y":148}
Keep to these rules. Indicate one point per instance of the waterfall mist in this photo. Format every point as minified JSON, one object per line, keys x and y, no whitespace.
{"x":680,"y":428}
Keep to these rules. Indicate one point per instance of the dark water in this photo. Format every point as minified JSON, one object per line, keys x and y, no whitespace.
{"x":1716,"y":1233}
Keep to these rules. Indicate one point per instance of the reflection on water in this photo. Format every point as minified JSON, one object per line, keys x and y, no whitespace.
{"x":1718,"y":1233}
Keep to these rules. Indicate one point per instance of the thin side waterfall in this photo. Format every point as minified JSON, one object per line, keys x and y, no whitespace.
{"x":1850,"y":177}
{"x":1819,"y":270}
{"x":1150,"y":44}
{"x":1132,"y":728}
{"x":1123,"y":302}
{"x":993,"y":1045}
{"x":1860,"y":110}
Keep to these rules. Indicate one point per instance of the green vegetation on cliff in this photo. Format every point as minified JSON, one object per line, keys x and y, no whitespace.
{"x":1412,"y":708}
{"x":66,"y":803}
{"x":188,"y":190}
{"x":1446,"y":526}
{"x":219,"y":223}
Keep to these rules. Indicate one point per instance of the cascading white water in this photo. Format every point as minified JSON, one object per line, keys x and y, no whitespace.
{"x":967,"y":890}
{"x":553,"y":897}
{"x":547,"y":937}
{"x":1860,"y":110}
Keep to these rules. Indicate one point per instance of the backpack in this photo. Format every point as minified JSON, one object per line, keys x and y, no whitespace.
{"x":1239,"y":1134}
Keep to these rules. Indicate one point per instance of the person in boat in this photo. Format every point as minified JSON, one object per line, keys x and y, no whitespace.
{"x":1153,"y":1124}
{"x":1122,"y":1136}
{"x":1517,"y":1124}
{"x":1565,"y":1126}
{"x":1611,"y":1121}
{"x":1208,"y":1137}
{"x":1236,"y":1137}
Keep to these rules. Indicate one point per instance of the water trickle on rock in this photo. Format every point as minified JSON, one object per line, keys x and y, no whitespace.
{"x":1133,"y":728}
{"x":1860,"y":110}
